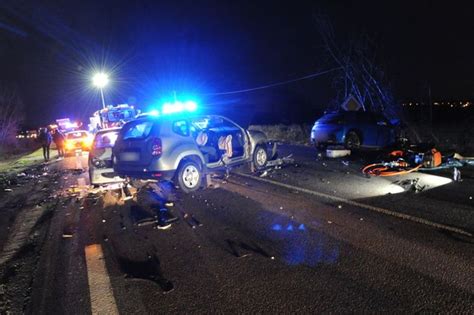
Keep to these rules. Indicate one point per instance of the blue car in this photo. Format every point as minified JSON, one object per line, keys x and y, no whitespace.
{"x":353,"y":129}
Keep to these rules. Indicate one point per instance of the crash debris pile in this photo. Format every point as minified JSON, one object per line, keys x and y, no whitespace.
{"x":401,"y":162}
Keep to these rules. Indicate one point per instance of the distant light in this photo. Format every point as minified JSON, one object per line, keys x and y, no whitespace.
{"x":70,"y":125}
{"x":100,"y":80}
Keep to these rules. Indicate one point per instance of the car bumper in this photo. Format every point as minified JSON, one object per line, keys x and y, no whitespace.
{"x":104,"y":176}
{"x":156,"y":175}
{"x":326,"y":137}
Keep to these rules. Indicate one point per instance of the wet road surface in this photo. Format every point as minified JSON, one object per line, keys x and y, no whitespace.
{"x":246,"y":246}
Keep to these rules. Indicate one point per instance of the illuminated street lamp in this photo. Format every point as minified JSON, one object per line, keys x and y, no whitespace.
{"x":100,"y":80}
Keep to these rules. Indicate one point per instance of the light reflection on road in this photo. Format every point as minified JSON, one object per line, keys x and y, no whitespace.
{"x":301,"y":245}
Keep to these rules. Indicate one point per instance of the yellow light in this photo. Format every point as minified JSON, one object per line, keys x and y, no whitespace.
{"x":69,"y":145}
{"x":88,"y":141}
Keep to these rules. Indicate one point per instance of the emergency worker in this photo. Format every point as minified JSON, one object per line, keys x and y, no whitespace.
{"x":45,"y":139}
{"x":59,"y":139}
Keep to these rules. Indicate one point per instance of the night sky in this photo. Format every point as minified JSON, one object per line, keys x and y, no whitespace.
{"x":50,"y":49}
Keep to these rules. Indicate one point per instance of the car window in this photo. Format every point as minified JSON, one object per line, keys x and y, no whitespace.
{"x":181,"y":128}
{"x":331,"y":119}
{"x":76,"y":135}
{"x":105,"y":139}
{"x":219,"y":124}
{"x":137,"y":129}
{"x":365,"y":117}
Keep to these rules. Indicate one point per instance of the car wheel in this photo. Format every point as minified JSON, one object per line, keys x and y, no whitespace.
{"x":352,"y":140}
{"x":260,"y":158}
{"x":189,"y":176}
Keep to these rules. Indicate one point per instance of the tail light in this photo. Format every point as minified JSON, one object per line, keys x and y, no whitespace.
{"x":98,"y":162}
{"x":156,"y":147}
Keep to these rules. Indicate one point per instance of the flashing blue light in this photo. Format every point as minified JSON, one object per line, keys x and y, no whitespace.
{"x":276,"y":227}
{"x":154,"y":113}
{"x":190,"y":106}
{"x":178,"y":107}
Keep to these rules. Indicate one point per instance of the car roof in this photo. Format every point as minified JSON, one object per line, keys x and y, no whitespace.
{"x":77,"y":131}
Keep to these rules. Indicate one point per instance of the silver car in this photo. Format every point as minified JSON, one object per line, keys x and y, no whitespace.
{"x":101,"y":171}
{"x":170,"y":147}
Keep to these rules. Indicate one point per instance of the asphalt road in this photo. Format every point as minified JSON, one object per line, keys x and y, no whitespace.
{"x":314,"y":236}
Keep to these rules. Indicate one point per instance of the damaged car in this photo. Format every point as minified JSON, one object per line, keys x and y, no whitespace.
{"x":354,"y":129}
{"x":101,"y":170}
{"x":184,"y":148}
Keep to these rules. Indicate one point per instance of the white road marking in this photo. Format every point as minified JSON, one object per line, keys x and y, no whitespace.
{"x":361,"y":205}
{"x":100,"y":289}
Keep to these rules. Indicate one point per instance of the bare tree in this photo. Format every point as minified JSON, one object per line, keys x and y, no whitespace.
{"x":11,"y":115}
{"x":360,"y":75}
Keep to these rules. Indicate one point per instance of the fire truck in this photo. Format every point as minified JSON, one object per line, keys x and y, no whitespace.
{"x":112,"y":116}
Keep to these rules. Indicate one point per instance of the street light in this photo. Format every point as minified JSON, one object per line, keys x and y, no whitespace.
{"x":100,"y":80}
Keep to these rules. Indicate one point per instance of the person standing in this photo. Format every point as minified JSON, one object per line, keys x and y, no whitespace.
{"x":59,"y":140}
{"x":45,"y":140}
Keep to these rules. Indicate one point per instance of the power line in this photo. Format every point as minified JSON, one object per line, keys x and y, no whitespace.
{"x":309,"y":76}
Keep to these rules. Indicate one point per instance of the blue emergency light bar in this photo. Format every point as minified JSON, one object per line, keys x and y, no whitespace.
{"x":178,"y":107}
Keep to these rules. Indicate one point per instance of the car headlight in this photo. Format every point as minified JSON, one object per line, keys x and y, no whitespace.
{"x":69,"y":145}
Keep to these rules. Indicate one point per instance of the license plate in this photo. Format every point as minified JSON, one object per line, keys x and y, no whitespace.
{"x":130,"y":156}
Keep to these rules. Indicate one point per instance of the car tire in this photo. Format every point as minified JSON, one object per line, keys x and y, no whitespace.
{"x":189,"y":176}
{"x":260,"y":158}
{"x":352,"y":140}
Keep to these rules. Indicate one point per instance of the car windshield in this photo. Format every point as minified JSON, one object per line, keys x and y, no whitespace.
{"x":77,"y":135}
{"x":330,"y":118}
{"x":105,"y":139}
{"x":137,"y":129}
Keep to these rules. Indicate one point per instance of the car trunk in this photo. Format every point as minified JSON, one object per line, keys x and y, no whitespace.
{"x":136,"y":141}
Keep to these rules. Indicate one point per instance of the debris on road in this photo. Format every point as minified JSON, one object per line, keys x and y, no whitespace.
{"x":400,"y":162}
{"x":457,"y":175}
{"x":281,"y":161}
{"x":190,"y":220}
{"x":337,"y":152}
{"x":411,"y":185}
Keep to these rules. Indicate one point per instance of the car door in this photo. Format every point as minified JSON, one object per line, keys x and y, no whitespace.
{"x":384,"y":130}
{"x":365,"y":123}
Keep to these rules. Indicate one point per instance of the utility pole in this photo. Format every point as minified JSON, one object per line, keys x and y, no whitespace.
{"x":102,"y":97}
